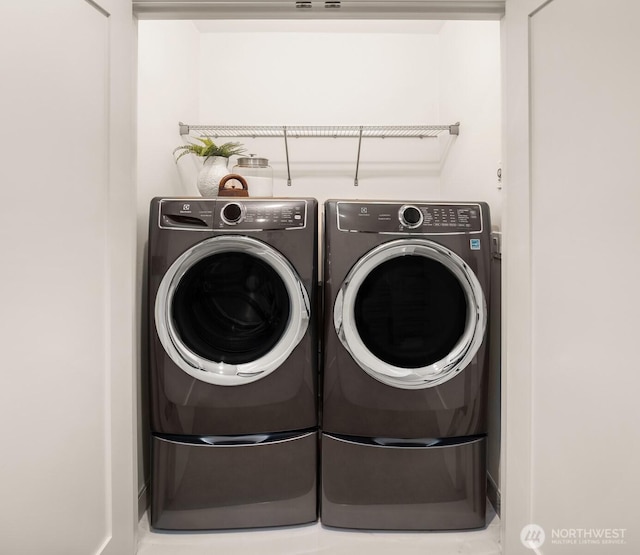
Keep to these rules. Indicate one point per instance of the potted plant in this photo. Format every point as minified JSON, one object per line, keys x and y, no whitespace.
{"x":215,"y":162}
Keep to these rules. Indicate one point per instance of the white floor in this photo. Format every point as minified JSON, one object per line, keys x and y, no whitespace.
{"x":316,"y":539}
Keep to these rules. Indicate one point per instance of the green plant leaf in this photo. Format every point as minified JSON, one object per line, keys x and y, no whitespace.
{"x":209,"y":148}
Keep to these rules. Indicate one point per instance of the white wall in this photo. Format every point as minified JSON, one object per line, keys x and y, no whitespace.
{"x":168,"y":92}
{"x":470,"y":78}
{"x":333,"y":73}
{"x":168,"y":63}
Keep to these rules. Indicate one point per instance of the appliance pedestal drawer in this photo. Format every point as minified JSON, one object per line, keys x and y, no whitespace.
{"x":241,"y":482}
{"x":384,"y":484}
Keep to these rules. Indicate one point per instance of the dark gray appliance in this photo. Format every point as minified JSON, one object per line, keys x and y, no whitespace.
{"x":405,"y":365}
{"x":233,"y":362}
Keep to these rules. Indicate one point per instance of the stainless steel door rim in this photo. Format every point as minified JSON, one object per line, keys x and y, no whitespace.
{"x":432,"y":374}
{"x":215,"y":371}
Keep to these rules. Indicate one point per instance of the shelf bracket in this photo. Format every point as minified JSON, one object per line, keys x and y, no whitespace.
{"x":286,"y":151}
{"x":454,"y":129}
{"x":184,"y":128}
{"x":355,"y":180}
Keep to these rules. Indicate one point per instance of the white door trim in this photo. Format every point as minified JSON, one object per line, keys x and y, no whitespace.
{"x":122,"y":213}
{"x":516,"y":463}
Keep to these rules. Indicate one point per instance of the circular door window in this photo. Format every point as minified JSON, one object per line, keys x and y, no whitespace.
{"x":411,"y":313}
{"x":230,"y":310}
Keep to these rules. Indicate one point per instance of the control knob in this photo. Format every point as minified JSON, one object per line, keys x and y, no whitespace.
{"x":410,"y":216}
{"x":232,"y":213}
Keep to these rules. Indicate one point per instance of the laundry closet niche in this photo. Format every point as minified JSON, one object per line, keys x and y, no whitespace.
{"x":325,"y":73}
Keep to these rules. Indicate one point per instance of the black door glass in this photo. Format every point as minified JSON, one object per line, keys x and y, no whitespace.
{"x":230,"y":307}
{"x":410,"y":311}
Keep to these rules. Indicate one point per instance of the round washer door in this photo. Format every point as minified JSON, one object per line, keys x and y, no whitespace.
{"x":411,"y":313}
{"x":230,"y":310}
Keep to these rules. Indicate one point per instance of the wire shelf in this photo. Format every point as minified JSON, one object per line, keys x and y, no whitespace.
{"x":315,"y":131}
{"x":322,"y":131}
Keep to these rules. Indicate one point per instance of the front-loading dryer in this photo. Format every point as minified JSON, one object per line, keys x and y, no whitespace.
{"x":233,"y":362}
{"x":405,"y":365}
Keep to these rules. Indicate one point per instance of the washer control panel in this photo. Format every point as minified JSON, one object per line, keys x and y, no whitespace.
{"x":245,"y":214}
{"x":431,"y":218}
{"x":261,"y":214}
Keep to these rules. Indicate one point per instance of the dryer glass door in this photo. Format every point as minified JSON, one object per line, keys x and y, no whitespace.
{"x":411,"y":313}
{"x":230,"y":310}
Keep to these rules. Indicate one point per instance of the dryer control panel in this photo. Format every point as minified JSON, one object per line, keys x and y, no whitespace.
{"x":431,"y":218}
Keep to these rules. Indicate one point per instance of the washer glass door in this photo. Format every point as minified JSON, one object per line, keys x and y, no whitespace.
{"x":411,"y":313}
{"x":230,"y":310}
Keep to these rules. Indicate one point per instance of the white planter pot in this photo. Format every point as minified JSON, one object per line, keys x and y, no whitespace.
{"x":213,"y":170}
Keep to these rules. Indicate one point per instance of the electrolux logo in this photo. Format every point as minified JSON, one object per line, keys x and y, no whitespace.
{"x":533,"y":536}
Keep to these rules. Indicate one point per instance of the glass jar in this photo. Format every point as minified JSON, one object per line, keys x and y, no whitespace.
{"x":258,"y":174}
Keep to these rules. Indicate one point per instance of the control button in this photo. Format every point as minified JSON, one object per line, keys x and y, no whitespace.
{"x":232,"y":213}
{"x":410,"y":216}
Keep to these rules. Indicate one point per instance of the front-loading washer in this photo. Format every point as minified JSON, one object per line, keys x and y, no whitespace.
{"x":405,"y":365}
{"x":233,"y":362}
